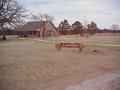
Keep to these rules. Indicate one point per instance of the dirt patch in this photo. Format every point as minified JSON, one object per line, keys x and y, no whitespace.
{"x":108,"y":81}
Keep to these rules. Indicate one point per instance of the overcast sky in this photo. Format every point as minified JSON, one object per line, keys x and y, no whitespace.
{"x":103,"y":12}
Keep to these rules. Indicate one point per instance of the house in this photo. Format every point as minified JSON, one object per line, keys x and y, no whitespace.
{"x":38,"y":29}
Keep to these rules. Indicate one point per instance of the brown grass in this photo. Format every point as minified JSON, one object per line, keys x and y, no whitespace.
{"x":29,"y":64}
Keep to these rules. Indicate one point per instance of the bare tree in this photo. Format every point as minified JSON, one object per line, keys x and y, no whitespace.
{"x":115,"y":27}
{"x":11,"y":14}
{"x":20,"y":24}
{"x":85,"y":22}
{"x":48,"y":17}
{"x":38,"y":17}
{"x":42,"y":17}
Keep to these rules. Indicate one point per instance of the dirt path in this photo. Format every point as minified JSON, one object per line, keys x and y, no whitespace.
{"x":97,"y":44}
{"x":107,"y":45}
{"x":109,"y":81}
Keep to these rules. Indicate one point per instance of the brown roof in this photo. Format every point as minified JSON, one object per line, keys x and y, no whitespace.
{"x":33,"y":26}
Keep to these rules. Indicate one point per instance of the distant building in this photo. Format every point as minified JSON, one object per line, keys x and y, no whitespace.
{"x":38,"y":29}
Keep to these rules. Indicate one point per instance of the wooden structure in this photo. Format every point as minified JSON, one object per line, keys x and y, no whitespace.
{"x":38,"y":29}
{"x":70,"y":45}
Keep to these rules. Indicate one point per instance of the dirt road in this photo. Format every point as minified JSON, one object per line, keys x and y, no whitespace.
{"x":108,"y":81}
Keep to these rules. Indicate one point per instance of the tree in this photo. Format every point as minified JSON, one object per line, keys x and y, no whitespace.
{"x":85,"y":23}
{"x":92,"y":27}
{"x":38,"y":17}
{"x":78,"y":28}
{"x":42,"y":17}
{"x":48,"y":17}
{"x":11,"y":14}
{"x":64,"y":27}
{"x":115,"y":27}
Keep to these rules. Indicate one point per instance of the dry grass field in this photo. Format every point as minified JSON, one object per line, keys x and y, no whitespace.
{"x":35,"y":64}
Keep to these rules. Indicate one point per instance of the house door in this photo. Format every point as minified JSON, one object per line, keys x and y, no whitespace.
{"x":38,"y":33}
{"x":49,"y":32}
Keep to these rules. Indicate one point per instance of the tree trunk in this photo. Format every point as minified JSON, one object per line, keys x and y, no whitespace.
{"x":3,"y":32}
{"x":4,"y":37}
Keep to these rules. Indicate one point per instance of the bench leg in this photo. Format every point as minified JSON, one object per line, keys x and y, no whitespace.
{"x":80,"y":49}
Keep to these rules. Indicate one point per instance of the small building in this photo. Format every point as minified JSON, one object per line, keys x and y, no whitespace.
{"x":38,"y":29}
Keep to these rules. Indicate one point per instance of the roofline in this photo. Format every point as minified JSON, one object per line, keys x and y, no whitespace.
{"x":19,"y":29}
{"x":41,"y":27}
{"x":53,"y":25}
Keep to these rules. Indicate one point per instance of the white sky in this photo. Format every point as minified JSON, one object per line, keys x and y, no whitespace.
{"x":103,"y":12}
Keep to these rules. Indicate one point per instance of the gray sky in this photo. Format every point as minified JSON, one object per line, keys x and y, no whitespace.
{"x":103,"y":12}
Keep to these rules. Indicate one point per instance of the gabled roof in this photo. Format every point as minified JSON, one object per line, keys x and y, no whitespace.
{"x":33,"y":26}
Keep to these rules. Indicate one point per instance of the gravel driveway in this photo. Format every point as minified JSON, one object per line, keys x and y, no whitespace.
{"x":108,"y":81}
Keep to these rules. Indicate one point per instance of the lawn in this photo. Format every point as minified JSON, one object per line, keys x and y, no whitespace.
{"x":35,"y":64}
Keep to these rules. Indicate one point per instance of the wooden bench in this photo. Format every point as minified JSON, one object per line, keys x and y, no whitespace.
{"x":70,"y":45}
